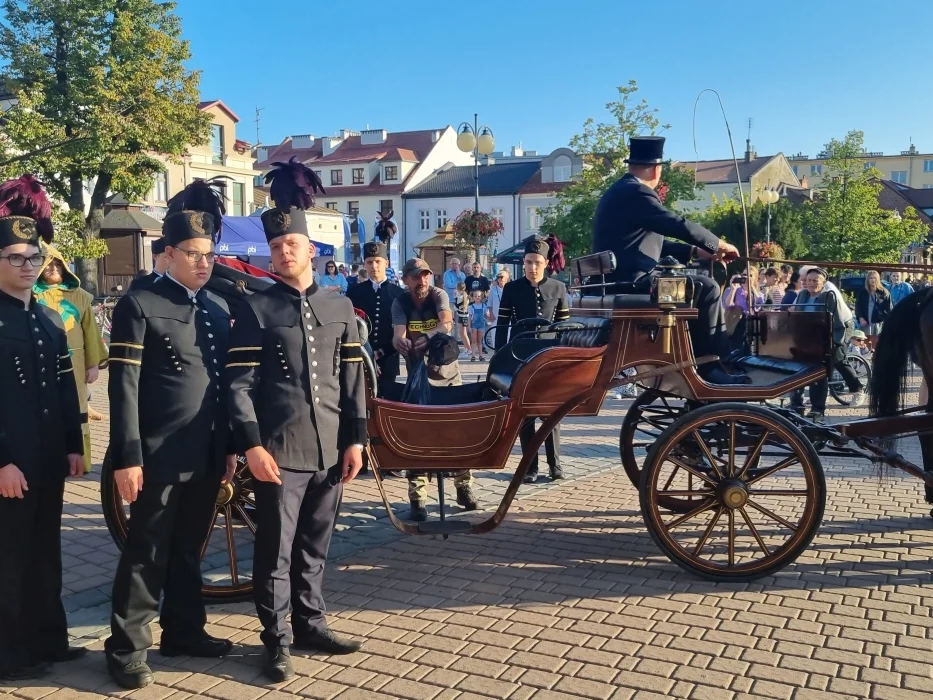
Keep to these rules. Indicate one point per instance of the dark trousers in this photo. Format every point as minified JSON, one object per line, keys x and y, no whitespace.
{"x":388,"y":373}
{"x":551,"y":445}
{"x":820,"y":390}
{"x":293,"y":532}
{"x":32,"y":617}
{"x":707,"y":330}
{"x":162,"y":555}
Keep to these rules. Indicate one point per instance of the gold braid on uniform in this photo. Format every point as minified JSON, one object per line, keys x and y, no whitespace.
{"x":562,"y":315}
{"x":351,"y":352}
{"x":126,"y":353}
{"x":244,"y":356}
{"x":64,"y":365}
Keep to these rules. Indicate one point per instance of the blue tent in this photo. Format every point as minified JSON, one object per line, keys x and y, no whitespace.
{"x":243,"y":235}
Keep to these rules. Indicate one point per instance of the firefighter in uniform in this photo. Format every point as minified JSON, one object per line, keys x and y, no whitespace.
{"x":169,"y":441}
{"x":159,"y":266}
{"x":375,"y":296}
{"x":40,"y":443}
{"x":298,"y":408}
{"x":632,"y":222}
{"x":534,"y":296}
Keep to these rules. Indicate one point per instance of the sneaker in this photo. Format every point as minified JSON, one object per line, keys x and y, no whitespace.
{"x":858,"y":399}
{"x":466,"y":498}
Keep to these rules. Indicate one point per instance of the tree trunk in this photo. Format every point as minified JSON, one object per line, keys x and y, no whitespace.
{"x":87,"y":268}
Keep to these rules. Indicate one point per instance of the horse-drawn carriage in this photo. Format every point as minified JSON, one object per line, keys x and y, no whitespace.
{"x":730,"y":490}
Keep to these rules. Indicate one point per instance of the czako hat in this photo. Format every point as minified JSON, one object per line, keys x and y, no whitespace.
{"x":375,"y":249}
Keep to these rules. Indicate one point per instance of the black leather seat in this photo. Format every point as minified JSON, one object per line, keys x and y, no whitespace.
{"x":774,"y":364}
{"x":583,"y":332}
{"x":618,"y":301}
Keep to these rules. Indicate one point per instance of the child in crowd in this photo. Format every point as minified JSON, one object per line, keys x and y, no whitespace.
{"x":461,"y":317}
{"x":480,"y":316}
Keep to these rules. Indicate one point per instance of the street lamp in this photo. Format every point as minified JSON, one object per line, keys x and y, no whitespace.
{"x":485,"y":143}
{"x":769,"y":197}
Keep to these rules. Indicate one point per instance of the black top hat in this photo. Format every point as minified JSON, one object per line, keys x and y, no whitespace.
{"x":646,"y":150}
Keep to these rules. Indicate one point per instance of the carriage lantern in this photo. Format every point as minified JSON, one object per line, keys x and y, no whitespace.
{"x":669,"y":291}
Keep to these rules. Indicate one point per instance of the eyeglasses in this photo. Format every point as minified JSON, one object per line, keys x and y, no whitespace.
{"x":196,"y":257}
{"x":17,"y":260}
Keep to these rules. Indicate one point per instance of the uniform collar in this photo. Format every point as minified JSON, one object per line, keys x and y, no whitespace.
{"x":192,"y":293}
{"x":287,"y":288}
{"x":13,"y":301}
{"x":378,"y":285}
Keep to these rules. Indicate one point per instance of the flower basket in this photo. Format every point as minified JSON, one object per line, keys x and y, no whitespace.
{"x":475,"y":230}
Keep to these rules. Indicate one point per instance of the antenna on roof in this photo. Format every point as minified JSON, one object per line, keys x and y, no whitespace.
{"x":749,"y":128}
{"x":258,"y":110}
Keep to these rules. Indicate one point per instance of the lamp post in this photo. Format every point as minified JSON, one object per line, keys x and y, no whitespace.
{"x":769,"y":197}
{"x":472,"y":139}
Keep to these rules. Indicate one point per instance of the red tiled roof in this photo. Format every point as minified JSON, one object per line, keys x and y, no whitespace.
{"x":284,"y":151}
{"x":711,"y":172}
{"x":373,"y":187}
{"x":210,"y":103}
{"x":242,"y":146}
{"x":892,"y":197}
{"x":411,"y":146}
{"x":535,"y":186}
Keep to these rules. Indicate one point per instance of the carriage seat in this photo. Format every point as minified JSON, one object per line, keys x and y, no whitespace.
{"x":578,"y":332}
{"x":773,"y":364}
{"x":623,"y":300}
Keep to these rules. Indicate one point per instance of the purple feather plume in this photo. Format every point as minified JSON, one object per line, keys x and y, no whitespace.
{"x":24,"y":196}
{"x":202,"y":195}
{"x":293,"y":184}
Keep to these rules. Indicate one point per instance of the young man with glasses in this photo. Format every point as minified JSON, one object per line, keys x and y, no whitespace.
{"x":40,"y":443}
{"x":169,"y":441}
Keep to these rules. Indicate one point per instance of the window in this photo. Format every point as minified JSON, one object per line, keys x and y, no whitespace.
{"x":532,"y":219}
{"x":358,"y":176}
{"x":336,"y":177}
{"x":816,"y":169}
{"x":562,"y":173}
{"x":928,"y":166}
{"x":217,"y":144}
{"x":353,"y":209}
{"x":441,"y":218}
{"x":391,"y":173}
{"x":331,"y":205}
{"x":794,"y":168}
{"x":497,"y":214}
{"x":239,"y":194}
{"x":160,"y":188}
{"x":385,"y":206}
{"x":899,"y":176}
{"x":425,"y":216}
{"x":870,"y":164}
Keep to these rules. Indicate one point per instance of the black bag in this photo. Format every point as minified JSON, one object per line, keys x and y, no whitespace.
{"x":417,"y":388}
{"x":442,"y":350}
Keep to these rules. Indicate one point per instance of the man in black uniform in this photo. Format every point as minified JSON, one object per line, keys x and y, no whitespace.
{"x":40,"y":443}
{"x":298,"y":406}
{"x":159,"y":266}
{"x":169,"y":441}
{"x":534,"y":296}
{"x":632,"y":222}
{"x":375,"y":297}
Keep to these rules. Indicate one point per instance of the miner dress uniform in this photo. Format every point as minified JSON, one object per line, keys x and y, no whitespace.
{"x":521,"y":300}
{"x":158,"y":247}
{"x":297,"y":388}
{"x":376,"y":300}
{"x":168,"y":414}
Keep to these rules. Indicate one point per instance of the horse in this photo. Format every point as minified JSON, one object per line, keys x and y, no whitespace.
{"x":907,"y":336}
{"x":386,"y":228}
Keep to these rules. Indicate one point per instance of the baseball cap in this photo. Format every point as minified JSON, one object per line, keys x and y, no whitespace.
{"x":415,"y":266}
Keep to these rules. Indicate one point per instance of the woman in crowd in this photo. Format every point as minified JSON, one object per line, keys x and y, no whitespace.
{"x":480,"y":317}
{"x":461,"y":317}
{"x":332,"y":279}
{"x":872,"y":306}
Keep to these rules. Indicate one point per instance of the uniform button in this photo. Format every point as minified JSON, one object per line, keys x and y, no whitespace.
{"x":167,"y":339}
{"x":317,"y":400}
{"x":313,"y":350}
{"x":307,"y":304}
{"x":42,"y":370}
{"x":316,"y":387}
{"x":314,"y":363}
{"x":40,"y":342}
{"x":213,"y":348}
{"x":23,"y":381}
{"x":313,"y":376}
{"x":207,"y":323}
{"x":216,"y":374}
{"x":311,"y":338}
{"x":215,"y":360}
{"x":41,"y":356}
{"x":288,"y":376}
{"x":36,"y":330}
{"x":308,"y":314}
{"x":210,"y":335}
{"x":45,"y":411}
{"x":33,"y":315}
{"x":178,"y":369}
{"x":217,"y":386}
{"x":310,"y":327}
{"x":43,"y":383}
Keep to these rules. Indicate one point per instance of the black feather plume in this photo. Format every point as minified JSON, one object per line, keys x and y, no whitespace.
{"x":293,"y":184}
{"x":202,"y":195}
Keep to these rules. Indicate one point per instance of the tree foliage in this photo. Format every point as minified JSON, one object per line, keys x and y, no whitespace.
{"x":102,"y":88}
{"x":604,"y":148}
{"x":69,"y":235}
{"x":845,"y":222}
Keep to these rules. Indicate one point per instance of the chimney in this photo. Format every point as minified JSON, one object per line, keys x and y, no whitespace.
{"x":303,"y":141}
{"x":517,"y":152}
{"x":347,"y":133}
{"x":262,"y":153}
{"x":330,"y":144}
{"x":804,"y":182}
{"x":373,"y":137}
{"x":749,"y":153}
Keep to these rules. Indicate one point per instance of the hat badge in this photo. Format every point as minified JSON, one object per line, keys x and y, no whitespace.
{"x":196,"y":221}
{"x":19,"y":232}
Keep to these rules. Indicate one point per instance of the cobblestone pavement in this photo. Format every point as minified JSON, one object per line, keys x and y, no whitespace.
{"x":569,"y":598}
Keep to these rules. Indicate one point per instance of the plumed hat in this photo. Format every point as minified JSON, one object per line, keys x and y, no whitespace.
{"x":195,"y":212}
{"x":292,"y":187}
{"x":25,"y":212}
{"x":375,"y":249}
{"x":555,"y":256}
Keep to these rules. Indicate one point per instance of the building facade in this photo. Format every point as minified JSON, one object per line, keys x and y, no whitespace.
{"x":911,"y":167}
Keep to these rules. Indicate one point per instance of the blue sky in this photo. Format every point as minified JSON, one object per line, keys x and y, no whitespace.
{"x":535,"y":70}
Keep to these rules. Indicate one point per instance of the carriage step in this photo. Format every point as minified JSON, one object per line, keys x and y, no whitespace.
{"x":444,"y":527}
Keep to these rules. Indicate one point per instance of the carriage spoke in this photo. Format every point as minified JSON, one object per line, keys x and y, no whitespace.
{"x":774,"y":516}
{"x":706,"y":533}
{"x":783,"y":464}
{"x":779,"y":492}
{"x":687,"y":492}
{"x":207,"y":539}
{"x":248,"y":520}
{"x":755,"y":455}
{"x":691,"y":470}
{"x":731,"y":537}
{"x":709,"y":455}
{"x":231,"y":546}
{"x":731,"y":450}
{"x":677,"y":522}
{"x":751,"y":526}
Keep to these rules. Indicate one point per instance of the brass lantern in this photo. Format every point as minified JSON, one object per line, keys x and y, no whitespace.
{"x":670,"y":289}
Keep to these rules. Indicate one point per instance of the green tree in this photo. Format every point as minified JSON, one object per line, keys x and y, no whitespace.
{"x":604,"y":148}
{"x":102,"y":89}
{"x":845,"y":222}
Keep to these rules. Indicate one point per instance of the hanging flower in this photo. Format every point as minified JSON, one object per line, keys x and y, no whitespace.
{"x":768,"y":251}
{"x":475,"y":230}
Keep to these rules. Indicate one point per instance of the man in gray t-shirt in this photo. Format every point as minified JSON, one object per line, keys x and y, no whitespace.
{"x":416,"y":316}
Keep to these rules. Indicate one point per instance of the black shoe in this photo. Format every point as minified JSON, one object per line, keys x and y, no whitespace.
{"x":556,"y":472}
{"x":135,"y":674}
{"x":530,"y":477}
{"x":418,"y":512}
{"x":326,"y":640}
{"x":26,"y":672}
{"x":64,"y":655}
{"x":466,"y":498}
{"x":715,"y":375}
{"x":278,"y":667}
{"x":205,"y":647}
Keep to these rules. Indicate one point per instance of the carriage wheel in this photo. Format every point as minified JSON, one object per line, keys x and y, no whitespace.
{"x":649,"y":416}
{"x":759,"y":501}
{"x":227,"y":554}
